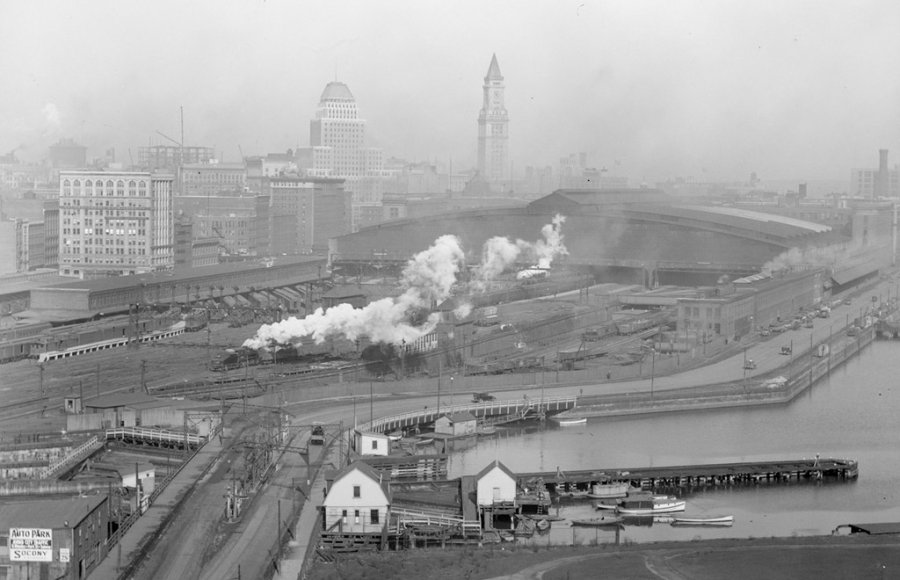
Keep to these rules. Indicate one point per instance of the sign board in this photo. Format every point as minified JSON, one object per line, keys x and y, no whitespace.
{"x":30,"y":545}
{"x":63,"y":555}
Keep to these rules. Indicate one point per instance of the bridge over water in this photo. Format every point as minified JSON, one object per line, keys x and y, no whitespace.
{"x":490,"y":410}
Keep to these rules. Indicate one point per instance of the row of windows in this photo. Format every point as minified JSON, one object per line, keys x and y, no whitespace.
{"x":74,"y":251}
{"x":373,"y":516}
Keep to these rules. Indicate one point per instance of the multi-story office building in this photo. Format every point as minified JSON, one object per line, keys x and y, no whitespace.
{"x":114,"y":223}
{"x":493,"y":130}
{"x":306,"y":212}
{"x":67,"y":154}
{"x":51,"y":232}
{"x":880,"y":182}
{"x":170,"y":157}
{"x":212,"y":178}
{"x":29,"y":245}
{"x":239,"y":223}
{"x":337,"y":139}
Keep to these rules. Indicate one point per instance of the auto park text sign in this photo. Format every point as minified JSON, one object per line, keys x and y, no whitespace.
{"x":30,"y":545}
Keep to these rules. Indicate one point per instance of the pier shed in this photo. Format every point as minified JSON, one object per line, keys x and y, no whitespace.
{"x":456,"y":425}
{"x":370,"y":443}
{"x":495,"y":493}
{"x":357,"y":501}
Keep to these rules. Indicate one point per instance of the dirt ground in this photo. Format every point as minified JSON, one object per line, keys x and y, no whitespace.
{"x":860,"y":557}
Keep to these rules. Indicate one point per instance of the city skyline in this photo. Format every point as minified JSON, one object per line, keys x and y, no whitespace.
{"x":712,"y":92}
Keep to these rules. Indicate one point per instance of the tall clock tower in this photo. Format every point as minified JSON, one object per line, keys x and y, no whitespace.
{"x":493,"y":129}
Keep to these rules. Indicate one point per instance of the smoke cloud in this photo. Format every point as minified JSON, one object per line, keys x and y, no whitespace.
{"x":813,"y":257}
{"x":499,"y":253}
{"x":427,"y":280}
{"x":52,"y":118}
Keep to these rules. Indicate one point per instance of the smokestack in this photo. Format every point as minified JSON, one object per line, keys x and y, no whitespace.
{"x":881,"y":179}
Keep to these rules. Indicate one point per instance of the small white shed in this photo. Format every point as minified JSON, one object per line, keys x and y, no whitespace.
{"x":357,"y":500}
{"x":371,"y":443}
{"x":456,"y":425}
{"x":495,"y":484}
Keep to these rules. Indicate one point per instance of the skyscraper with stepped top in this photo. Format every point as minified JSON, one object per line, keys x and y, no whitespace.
{"x":493,"y":130}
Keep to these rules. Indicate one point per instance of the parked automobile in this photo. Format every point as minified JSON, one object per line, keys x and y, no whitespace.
{"x":749,"y":364}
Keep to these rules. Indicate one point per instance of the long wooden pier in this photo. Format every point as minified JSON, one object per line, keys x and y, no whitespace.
{"x":687,"y":476}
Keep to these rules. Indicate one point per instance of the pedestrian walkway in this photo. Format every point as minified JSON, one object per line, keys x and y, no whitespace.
{"x":295,"y":553}
{"x":131,"y":545}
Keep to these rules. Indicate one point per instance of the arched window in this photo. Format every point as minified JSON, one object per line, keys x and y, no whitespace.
{"x":120,"y":188}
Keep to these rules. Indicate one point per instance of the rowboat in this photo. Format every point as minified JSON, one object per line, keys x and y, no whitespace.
{"x":599,"y":522}
{"x":572,"y":422}
{"x":683,"y":520}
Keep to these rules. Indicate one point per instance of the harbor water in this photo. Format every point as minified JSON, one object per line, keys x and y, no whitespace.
{"x":853,"y":413}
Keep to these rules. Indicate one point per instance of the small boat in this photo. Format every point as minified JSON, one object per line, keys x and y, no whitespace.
{"x":572,"y":422}
{"x":646,"y":505}
{"x":606,"y":505}
{"x":611,"y":489}
{"x":683,"y":520}
{"x":574,"y":493}
{"x":599,"y":522}
{"x":507,"y":536}
{"x":548,"y":517}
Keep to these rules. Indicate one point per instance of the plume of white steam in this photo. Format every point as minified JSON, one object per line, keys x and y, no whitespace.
{"x":551,"y":246}
{"x":427,"y":278}
{"x":500,"y":253}
{"x":51,"y":117}
{"x":812,"y":257}
{"x":463,"y":310}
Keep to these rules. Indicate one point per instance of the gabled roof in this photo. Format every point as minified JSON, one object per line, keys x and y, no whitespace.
{"x":462,"y":417}
{"x":491,"y":467}
{"x":366,"y":470}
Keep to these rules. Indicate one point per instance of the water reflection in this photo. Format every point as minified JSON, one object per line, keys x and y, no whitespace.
{"x":852,"y":413}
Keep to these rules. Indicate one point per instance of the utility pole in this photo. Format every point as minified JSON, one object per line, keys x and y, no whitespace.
{"x":98,"y":379}
{"x":41,"y":375}
{"x":144,"y":376}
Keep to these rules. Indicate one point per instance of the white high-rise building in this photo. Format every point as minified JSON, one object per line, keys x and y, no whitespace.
{"x":337,"y":138}
{"x":115,"y":223}
{"x":493,"y":129}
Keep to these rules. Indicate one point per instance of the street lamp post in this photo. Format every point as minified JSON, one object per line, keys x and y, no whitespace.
{"x":652,"y":369}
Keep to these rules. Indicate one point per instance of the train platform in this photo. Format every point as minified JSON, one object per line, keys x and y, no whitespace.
{"x":137,"y":540}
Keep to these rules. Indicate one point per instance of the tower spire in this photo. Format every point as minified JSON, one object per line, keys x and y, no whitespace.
{"x":493,"y":73}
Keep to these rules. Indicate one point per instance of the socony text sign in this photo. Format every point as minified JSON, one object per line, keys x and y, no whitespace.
{"x":30,"y":545}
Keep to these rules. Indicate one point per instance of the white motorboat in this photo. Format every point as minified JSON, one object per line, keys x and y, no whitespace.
{"x":648,"y":505}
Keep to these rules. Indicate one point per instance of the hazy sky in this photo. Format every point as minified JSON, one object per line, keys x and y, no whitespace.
{"x":711,"y":89}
